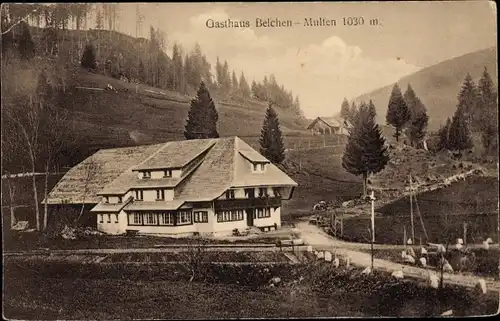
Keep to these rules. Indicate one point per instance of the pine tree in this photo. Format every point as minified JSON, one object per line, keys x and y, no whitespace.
{"x":202,"y":116}
{"x":468,"y":98}
{"x":443,"y":135}
{"x":397,"y":112}
{"x":365,"y":151}
{"x":177,"y":68}
{"x":88,"y":57}
{"x":26,"y":44}
{"x":459,"y":137}
{"x":344,"y":109}
{"x":226,"y":78}
{"x":219,"y":77}
{"x":487,"y":112}
{"x":244,"y":88}
{"x":417,"y":125}
{"x":372,"y":111}
{"x":271,"y":141}
{"x":353,"y":112}
{"x":142,"y":72}
{"x":234,"y":81}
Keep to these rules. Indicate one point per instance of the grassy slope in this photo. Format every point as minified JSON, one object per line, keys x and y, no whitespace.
{"x":438,"y":85}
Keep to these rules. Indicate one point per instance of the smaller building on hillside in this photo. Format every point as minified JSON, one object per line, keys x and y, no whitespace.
{"x":200,"y":186}
{"x":329,"y":126}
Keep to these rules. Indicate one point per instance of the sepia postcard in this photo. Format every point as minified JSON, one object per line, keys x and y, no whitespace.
{"x":249,"y":160}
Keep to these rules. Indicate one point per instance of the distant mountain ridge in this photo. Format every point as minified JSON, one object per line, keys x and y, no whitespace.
{"x":438,"y":85}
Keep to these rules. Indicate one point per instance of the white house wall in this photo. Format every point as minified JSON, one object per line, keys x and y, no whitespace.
{"x":269,"y":221}
{"x":113,"y":227}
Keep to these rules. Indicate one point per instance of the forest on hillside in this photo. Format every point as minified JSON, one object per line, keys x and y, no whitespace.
{"x":61,"y":32}
{"x":43,"y":49}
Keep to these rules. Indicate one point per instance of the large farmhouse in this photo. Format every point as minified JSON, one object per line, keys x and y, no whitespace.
{"x":329,"y":125}
{"x":180,"y":187}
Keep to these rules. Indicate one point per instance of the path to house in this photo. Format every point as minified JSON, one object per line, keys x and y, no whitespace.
{"x":319,"y":240}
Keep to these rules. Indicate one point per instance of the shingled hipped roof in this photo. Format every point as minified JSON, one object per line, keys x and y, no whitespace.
{"x":333,"y":122}
{"x":223,"y":165}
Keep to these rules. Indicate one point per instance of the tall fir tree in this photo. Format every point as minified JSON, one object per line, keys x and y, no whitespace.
{"x":26,"y":44}
{"x":177,"y":68}
{"x":244,"y":88}
{"x":467,"y":99}
{"x":486,"y":114}
{"x":459,"y":136}
{"x":234,"y":82}
{"x":365,"y":152}
{"x":398,"y":113}
{"x":443,"y":135}
{"x":88,"y":57}
{"x":417,"y":124}
{"x":372,"y":110}
{"x":271,"y":141}
{"x":141,"y":72}
{"x":202,"y":116}
{"x":344,"y":109}
{"x":353,"y":112}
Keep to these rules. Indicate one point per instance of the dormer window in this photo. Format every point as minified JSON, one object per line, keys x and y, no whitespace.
{"x":230,"y":194}
{"x":263,"y":192}
{"x":119,"y":199}
{"x":139,"y":195}
{"x":146,"y":174}
{"x":167,"y":173}
{"x":259,"y":167}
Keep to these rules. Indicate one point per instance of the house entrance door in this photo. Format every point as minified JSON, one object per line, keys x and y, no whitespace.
{"x":250,"y":213}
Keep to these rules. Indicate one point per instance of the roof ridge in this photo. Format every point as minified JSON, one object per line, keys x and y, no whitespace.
{"x":150,"y":156}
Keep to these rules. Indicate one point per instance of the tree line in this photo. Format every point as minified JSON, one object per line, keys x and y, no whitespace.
{"x":476,"y":112}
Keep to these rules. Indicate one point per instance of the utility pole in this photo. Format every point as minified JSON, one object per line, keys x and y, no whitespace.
{"x":411,"y":212}
{"x":372,"y":198}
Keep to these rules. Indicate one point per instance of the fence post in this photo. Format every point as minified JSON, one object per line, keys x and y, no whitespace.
{"x":465,"y":233}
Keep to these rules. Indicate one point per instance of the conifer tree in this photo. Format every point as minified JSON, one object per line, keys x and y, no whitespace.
{"x":202,"y":116}
{"x":177,"y":68}
{"x":486,"y":115}
{"x":417,"y":125}
{"x":353,"y":112}
{"x":468,"y":98}
{"x":244,"y":88}
{"x":271,"y":141}
{"x":397,"y":111}
{"x":88,"y":57}
{"x":344,"y":109}
{"x":141,"y":72}
{"x":372,"y":110}
{"x":459,"y":137}
{"x":26,"y":44}
{"x":443,"y":134}
{"x":234,"y":82}
{"x":365,"y":151}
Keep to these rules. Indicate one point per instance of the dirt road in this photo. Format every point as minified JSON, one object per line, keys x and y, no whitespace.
{"x":319,"y":240}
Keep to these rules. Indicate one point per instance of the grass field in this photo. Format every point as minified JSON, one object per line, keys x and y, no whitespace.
{"x":322,"y":293}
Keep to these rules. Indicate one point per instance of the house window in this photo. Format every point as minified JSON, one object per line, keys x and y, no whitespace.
{"x":263,"y":192}
{"x":254,"y":167}
{"x":183,"y":217}
{"x":119,"y":199}
{"x":229,"y":216}
{"x":109,"y":218}
{"x":249,"y":193}
{"x":262,"y":167}
{"x":160,"y":194}
{"x":139,"y":195}
{"x":201,"y":217}
{"x":151,"y":219}
{"x":263,"y":212}
{"x":166,"y":218}
{"x":146,"y":174}
{"x":106,"y":199}
{"x":137,"y":219}
{"x":116,"y":221}
{"x":230,"y":194}
{"x":101,"y":218}
{"x":277,"y":191}
{"x":167,"y":173}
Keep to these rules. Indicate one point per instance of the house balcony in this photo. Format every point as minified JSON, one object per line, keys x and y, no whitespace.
{"x":258,"y":202}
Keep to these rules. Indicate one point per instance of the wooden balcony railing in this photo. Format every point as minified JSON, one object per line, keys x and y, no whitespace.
{"x":257,"y":202}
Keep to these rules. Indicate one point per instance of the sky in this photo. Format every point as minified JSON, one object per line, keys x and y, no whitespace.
{"x":322,"y":65}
